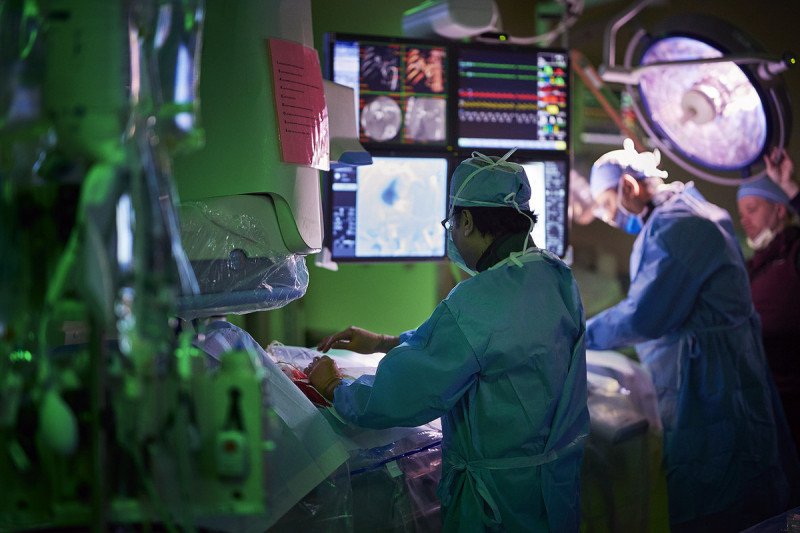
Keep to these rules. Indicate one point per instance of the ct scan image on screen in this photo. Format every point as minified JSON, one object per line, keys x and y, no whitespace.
{"x":400,"y":89}
{"x":391,"y":209}
{"x":549,"y":186}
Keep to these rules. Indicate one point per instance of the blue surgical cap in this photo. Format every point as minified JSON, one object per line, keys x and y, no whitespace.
{"x":765,"y":188}
{"x":489,"y":181}
{"x":609,"y":168}
{"x":604,"y":176}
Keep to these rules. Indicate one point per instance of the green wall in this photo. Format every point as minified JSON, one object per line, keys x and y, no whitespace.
{"x":387,"y":298}
{"x":358,"y":16}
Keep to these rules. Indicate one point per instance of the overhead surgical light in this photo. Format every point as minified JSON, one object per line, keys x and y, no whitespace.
{"x":704,"y":93}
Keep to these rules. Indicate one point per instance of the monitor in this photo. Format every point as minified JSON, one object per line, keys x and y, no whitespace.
{"x":401,"y":88}
{"x":549,"y":180}
{"x":390,"y":210}
{"x":512,"y":97}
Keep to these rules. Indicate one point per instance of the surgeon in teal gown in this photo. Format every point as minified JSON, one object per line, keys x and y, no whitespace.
{"x":689,"y":314}
{"x":501,"y":360}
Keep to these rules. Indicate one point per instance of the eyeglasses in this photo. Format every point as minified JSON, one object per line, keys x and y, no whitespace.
{"x":447,"y":223}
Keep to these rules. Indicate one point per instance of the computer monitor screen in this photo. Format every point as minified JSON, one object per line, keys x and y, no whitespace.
{"x":549,"y":179}
{"x":400,"y":86}
{"x":512,"y":97}
{"x":389,"y":210}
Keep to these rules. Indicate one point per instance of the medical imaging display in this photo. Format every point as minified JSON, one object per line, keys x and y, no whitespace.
{"x":389,"y":210}
{"x":400,"y":89}
{"x":549,"y":194}
{"x":512,"y":97}
{"x":711,"y":112}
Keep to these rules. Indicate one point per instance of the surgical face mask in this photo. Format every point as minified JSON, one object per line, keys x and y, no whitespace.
{"x":455,"y":255}
{"x":761,"y":240}
{"x":627,"y":221}
{"x":622,"y":218}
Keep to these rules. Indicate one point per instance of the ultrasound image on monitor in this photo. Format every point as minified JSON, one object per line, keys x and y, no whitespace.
{"x":381,"y":118}
{"x":390,"y":210}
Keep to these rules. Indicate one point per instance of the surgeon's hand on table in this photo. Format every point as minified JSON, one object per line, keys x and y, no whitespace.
{"x":324,"y":375}
{"x":358,"y":340}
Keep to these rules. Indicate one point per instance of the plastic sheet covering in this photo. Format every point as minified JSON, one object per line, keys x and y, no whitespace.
{"x":175,"y":38}
{"x":630,"y":376}
{"x":394,"y":473}
{"x":21,"y":65}
{"x":239,"y":259}
{"x":623,"y":487}
{"x":328,"y":507}
{"x":394,"y":486}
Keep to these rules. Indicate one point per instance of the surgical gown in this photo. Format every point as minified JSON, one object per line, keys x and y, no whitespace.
{"x":502,"y":361}
{"x":689,"y":314}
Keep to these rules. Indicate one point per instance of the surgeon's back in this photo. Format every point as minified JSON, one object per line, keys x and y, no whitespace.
{"x":525,"y":325}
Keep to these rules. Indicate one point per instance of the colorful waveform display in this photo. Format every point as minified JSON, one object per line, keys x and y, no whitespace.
{"x":515,"y":97}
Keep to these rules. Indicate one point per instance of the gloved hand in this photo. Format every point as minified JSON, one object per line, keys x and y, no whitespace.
{"x":358,"y":340}
{"x":780,"y":168}
{"x":324,"y":375}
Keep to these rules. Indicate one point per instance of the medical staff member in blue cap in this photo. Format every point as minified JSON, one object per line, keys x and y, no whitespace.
{"x":770,"y":223}
{"x":689,"y":314}
{"x":501,"y":360}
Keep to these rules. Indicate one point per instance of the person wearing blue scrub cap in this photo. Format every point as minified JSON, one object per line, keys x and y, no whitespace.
{"x":689,"y":314}
{"x":501,"y":360}
{"x":764,"y":211}
{"x":770,"y":223}
{"x":763,"y":187}
{"x":615,"y":182}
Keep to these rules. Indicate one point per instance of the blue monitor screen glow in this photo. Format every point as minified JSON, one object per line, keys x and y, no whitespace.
{"x":389,"y":210}
{"x":512,"y":97}
{"x":549,"y":193}
{"x":400,"y":87}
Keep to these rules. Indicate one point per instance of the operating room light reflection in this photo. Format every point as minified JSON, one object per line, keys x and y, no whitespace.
{"x":125,"y":233}
{"x":183,"y":87}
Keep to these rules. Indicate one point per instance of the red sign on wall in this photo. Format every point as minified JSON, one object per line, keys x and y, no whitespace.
{"x":300,"y":104}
